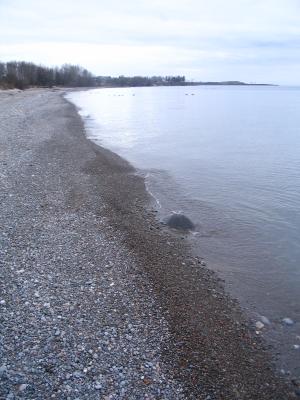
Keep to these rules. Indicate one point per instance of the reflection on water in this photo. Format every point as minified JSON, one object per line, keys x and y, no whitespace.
{"x":228,"y":157}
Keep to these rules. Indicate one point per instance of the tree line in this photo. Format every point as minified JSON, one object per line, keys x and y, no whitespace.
{"x":21,"y":75}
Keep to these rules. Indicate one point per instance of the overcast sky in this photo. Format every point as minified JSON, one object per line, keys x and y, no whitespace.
{"x":249,"y":40}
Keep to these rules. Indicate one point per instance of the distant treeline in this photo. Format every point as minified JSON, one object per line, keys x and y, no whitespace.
{"x":21,"y":75}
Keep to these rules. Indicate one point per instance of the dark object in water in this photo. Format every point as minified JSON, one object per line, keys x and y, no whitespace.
{"x":181,"y":222}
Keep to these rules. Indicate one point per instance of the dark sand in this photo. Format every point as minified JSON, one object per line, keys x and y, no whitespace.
{"x":97,"y":300}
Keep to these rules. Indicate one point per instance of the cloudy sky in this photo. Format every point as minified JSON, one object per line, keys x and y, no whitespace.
{"x":249,"y":40}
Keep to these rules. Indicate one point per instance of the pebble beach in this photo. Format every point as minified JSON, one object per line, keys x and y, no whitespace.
{"x":97,"y":299}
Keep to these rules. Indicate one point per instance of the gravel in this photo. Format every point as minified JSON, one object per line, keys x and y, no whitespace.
{"x":95,"y":302}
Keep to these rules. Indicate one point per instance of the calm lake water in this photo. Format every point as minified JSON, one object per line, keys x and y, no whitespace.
{"x":229,"y":158}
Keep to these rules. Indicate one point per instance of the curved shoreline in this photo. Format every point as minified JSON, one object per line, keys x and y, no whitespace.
{"x":210,"y":350}
{"x":180,"y":286}
{"x":233,"y":235}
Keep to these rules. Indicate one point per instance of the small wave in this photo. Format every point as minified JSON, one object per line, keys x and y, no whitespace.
{"x":147,"y":176}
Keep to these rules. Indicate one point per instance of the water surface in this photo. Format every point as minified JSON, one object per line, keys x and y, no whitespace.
{"x":229,"y":158}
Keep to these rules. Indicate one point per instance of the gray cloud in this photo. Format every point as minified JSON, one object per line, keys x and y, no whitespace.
{"x":237,"y":39}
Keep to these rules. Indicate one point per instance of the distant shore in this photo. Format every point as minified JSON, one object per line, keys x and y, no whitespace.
{"x":97,"y":298}
{"x":119,"y":85}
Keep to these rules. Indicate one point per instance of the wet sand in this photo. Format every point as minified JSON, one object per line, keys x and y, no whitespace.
{"x":97,"y":300}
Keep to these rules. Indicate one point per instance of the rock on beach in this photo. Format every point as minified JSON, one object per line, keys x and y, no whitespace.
{"x":180,"y":222}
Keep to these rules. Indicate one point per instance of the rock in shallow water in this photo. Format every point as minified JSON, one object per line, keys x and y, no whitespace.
{"x":288,"y":321}
{"x":259,"y":325}
{"x":265,"y":320}
{"x":180,"y":222}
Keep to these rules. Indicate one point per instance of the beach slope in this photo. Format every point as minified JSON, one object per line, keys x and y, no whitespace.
{"x":97,"y":301}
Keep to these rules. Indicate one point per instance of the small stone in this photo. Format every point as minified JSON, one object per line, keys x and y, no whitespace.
{"x":288,"y":321}
{"x":22,"y":387}
{"x":296,"y":382}
{"x":296,"y":346}
{"x":265,"y":320}
{"x":203,"y":263}
{"x":2,"y":369}
{"x":98,"y":386}
{"x":259,"y":325}
{"x":2,"y":302}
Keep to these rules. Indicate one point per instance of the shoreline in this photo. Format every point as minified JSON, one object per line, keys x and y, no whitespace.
{"x":186,"y":254}
{"x":210,"y":349}
{"x":241,"y":274}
